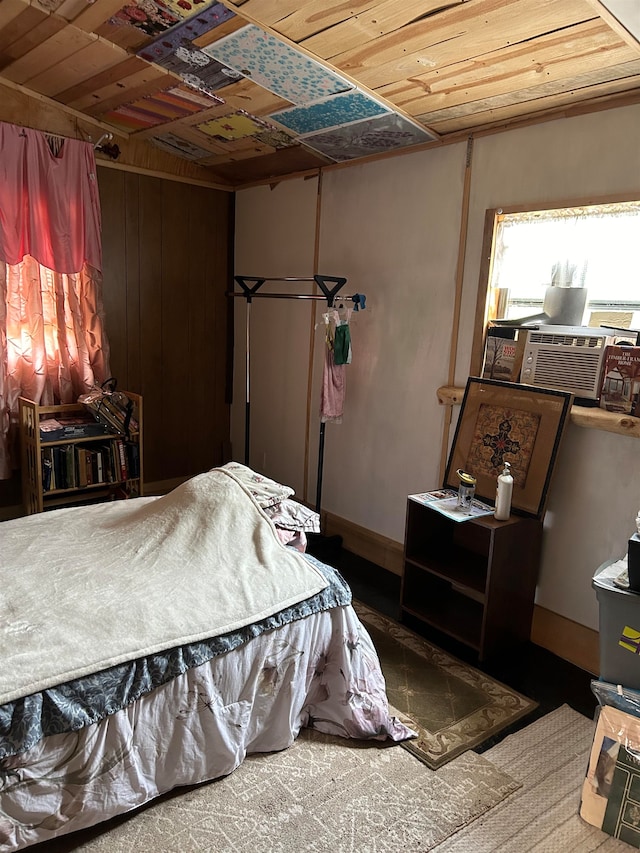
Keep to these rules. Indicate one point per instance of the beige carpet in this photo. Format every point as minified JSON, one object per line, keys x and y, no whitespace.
{"x":327,"y":795}
{"x":549,"y":758}
{"x":324,"y":794}
{"x":452,"y":706}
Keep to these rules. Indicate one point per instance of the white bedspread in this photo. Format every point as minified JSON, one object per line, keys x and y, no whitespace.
{"x":84,"y":588}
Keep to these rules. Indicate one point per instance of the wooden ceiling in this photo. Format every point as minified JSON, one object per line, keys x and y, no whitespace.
{"x":359,"y":78}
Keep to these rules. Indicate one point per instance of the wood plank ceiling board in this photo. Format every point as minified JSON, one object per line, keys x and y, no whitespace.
{"x":224,"y":29}
{"x":42,"y":59}
{"x":93,"y":58}
{"x":9,"y":10}
{"x":554,"y":57}
{"x":24,"y":58}
{"x":98,"y":84}
{"x":273,"y":166}
{"x":369,"y":20}
{"x":95,"y":14}
{"x":247,"y":95}
{"x":151,"y":80}
{"x":36,"y":37}
{"x":455,"y":32}
{"x":288,"y":17}
{"x":546,"y":99}
{"x":454,"y":67}
{"x":22,"y":21}
{"x":128,"y":38}
{"x":70,"y":9}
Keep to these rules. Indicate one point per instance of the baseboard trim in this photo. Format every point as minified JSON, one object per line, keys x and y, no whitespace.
{"x":380,"y":550}
{"x":9,"y":512}
{"x":567,"y":639}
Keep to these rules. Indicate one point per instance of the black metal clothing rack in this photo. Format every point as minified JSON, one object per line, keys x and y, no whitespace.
{"x":330,"y":287}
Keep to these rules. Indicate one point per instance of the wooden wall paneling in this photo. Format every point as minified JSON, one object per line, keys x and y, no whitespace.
{"x":223,"y":308}
{"x":202,"y":386}
{"x":114,"y":269}
{"x":132,"y":262}
{"x":209,"y":271}
{"x":175,"y":291}
{"x":152,"y":379}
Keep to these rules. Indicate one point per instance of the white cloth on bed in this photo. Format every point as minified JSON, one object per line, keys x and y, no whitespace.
{"x":196,"y":563}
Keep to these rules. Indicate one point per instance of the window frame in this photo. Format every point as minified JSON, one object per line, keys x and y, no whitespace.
{"x":487,"y":299}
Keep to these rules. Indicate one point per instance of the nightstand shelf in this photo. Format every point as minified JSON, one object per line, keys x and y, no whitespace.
{"x":473,"y":580}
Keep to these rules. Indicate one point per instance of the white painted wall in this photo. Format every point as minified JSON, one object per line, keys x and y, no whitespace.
{"x":393,"y":228}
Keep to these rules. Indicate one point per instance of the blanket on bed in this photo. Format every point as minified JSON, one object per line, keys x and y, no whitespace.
{"x":85,"y":588}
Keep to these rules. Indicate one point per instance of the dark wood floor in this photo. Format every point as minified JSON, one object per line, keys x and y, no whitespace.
{"x":533,"y":671}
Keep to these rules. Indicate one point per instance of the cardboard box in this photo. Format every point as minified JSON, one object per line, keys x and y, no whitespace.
{"x":611,"y":789}
{"x":620,"y":387}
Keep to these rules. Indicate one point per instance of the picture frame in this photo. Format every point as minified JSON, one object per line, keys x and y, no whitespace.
{"x":509,"y":422}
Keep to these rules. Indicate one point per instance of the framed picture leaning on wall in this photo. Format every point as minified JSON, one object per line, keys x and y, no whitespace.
{"x":507,"y":422}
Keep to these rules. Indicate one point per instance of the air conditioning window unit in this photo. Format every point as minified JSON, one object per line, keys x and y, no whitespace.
{"x":566,"y":358}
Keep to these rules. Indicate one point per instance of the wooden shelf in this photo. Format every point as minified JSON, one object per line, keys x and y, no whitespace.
{"x":473,"y":580}
{"x":117,"y":460}
{"x":582,"y":416}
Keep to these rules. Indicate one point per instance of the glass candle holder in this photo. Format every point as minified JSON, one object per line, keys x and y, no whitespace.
{"x":466,"y":491}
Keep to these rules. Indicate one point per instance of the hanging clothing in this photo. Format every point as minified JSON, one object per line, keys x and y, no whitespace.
{"x":334,"y":381}
{"x":342,"y":344}
{"x":337,"y":355}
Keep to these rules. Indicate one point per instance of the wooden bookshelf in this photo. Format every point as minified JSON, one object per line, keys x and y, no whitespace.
{"x":473,"y":580}
{"x":75,"y":470}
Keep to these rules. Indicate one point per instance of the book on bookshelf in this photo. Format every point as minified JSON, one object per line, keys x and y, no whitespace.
{"x":69,"y":457}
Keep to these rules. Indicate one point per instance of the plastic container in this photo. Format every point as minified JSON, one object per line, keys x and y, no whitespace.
{"x":619,"y":622}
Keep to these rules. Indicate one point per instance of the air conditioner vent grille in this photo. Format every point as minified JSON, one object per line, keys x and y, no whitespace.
{"x":563,"y":340}
{"x":570,"y":373}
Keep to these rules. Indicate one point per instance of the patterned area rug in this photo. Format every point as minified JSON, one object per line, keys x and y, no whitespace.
{"x":322,"y":795}
{"x":451,"y":705}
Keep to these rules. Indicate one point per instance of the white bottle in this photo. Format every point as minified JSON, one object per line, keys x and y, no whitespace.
{"x":504,"y":492}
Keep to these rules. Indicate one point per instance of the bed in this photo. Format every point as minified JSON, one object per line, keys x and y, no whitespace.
{"x":154,"y":643}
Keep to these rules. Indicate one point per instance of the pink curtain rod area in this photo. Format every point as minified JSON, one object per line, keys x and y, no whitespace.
{"x":49,"y":203}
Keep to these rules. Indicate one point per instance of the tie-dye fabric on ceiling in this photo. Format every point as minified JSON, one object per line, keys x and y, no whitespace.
{"x":236,"y":126}
{"x":373,"y":136}
{"x":173,"y":144}
{"x":161,"y":108}
{"x":181,"y":36}
{"x":145,"y":15}
{"x":198,"y":70}
{"x":276,"y":66}
{"x":332,"y":112}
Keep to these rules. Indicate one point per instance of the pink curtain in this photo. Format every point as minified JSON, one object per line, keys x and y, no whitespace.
{"x":52,"y":341}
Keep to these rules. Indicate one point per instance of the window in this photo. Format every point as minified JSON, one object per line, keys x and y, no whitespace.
{"x":577,"y":265}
